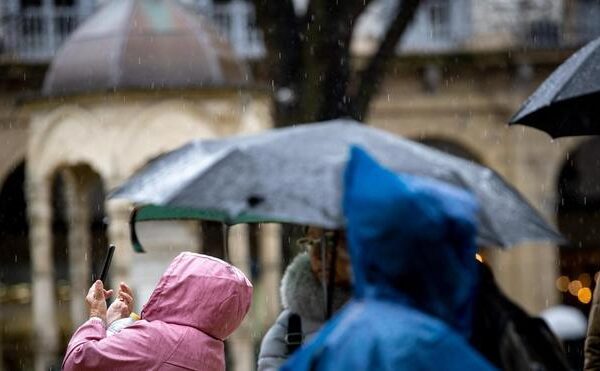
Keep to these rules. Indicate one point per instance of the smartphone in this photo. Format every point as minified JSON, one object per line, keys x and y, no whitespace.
{"x":109,"y":255}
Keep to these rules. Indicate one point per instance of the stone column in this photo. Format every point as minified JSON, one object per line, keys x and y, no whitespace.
{"x":118,"y":212}
{"x":45,"y":323}
{"x":242,"y":348}
{"x":76,"y":197}
{"x":270,"y":261}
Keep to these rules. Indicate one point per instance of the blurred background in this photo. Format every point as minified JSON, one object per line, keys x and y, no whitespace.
{"x":92,"y":90}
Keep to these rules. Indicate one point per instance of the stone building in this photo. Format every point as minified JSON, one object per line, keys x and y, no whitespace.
{"x":463,"y":69}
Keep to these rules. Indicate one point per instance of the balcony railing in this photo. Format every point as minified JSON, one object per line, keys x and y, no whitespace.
{"x":35,"y":34}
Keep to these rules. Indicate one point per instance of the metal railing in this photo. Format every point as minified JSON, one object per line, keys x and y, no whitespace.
{"x":35,"y":34}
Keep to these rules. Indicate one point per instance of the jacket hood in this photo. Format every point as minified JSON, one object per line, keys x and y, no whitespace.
{"x":303,"y":294}
{"x":202,"y":292}
{"x":411,"y":240}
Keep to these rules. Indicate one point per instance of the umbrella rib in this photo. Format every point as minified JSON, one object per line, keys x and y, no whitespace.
{"x":219,"y":157}
{"x":558,"y":89}
{"x":174,"y":189}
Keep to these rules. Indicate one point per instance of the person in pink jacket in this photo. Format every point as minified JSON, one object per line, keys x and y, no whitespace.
{"x":198,"y":302}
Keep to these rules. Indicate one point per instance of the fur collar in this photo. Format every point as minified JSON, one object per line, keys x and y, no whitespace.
{"x":302,"y":293}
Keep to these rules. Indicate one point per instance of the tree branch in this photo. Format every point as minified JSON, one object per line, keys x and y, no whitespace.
{"x":271,"y":16}
{"x":280,"y":27}
{"x":369,"y":79}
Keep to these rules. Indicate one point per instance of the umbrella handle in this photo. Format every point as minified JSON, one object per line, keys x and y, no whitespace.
{"x":135,"y":241}
{"x":331,"y":280}
{"x":324,"y":283}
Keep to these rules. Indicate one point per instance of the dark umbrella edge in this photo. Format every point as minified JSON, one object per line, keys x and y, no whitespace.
{"x":579,"y":109}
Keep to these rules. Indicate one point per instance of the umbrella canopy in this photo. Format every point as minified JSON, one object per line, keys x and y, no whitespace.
{"x":295,"y":175}
{"x":566,"y":104}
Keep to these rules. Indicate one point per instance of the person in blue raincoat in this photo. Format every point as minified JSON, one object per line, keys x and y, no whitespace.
{"x":412,"y":248}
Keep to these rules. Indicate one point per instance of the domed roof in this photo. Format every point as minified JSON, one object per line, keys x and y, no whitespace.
{"x":143,"y":44}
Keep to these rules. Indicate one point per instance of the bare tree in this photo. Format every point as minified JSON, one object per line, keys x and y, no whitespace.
{"x":309,"y":57}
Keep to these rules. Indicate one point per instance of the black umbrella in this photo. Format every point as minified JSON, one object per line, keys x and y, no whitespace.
{"x":294,"y":175}
{"x":566,"y":104}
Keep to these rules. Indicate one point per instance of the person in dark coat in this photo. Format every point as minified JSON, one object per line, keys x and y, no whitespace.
{"x":412,"y":249}
{"x":510,"y":338}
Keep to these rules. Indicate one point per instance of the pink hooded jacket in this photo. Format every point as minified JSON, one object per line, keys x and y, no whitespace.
{"x":198,"y":302}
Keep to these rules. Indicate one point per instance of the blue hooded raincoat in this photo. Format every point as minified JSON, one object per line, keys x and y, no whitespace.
{"x":412,"y":247}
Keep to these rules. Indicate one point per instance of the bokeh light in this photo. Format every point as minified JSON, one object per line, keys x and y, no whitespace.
{"x":574,"y":287}
{"x":584,"y":295}
{"x":562,"y":283}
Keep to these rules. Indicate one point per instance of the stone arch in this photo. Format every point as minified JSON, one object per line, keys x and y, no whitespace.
{"x":55,"y":118}
{"x":160,"y":128}
{"x":8,"y":168}
{"x":12,"y":158}
{"x":68,"y":136}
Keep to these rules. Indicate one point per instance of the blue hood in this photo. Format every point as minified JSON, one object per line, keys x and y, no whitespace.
{"x":411,"y":240}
